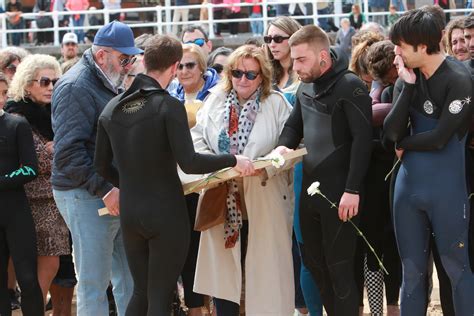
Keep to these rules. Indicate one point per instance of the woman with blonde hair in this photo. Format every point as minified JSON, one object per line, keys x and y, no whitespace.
{"x":31,"y":91}
{"x":278,"y":51}
{"x":243,"y":115}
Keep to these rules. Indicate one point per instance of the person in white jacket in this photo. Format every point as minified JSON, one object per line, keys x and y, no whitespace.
{"x":243,"y":115}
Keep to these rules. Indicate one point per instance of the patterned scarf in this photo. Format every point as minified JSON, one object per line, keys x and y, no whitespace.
{"x":233,"y":138}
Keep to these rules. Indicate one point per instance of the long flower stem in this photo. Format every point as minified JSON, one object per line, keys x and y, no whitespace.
{"x":369,"y":245}
{"x":393,"y":169}
{"x":360,"y":233}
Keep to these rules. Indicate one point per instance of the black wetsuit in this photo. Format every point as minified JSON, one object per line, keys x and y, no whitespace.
{"x":18,"y":165}
{"x":430,"y":189}
{"x":145,"y":131}
{"x":334,"y":116}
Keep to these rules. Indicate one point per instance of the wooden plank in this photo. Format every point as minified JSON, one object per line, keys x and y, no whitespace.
{"x":222,"y":176}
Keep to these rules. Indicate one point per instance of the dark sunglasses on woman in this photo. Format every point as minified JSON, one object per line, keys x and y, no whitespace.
{"x":198,"y":41}
{"x":250,"y":75}
{"x":277,"y":39}
{"x":218,"y":68}
{"x":45,"y":81}
{"x":188,"y":66}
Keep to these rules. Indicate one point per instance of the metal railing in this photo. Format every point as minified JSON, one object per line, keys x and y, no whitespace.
{"x":162,"y":21}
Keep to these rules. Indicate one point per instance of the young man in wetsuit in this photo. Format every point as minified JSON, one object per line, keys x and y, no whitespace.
{"x":333,"y":112}
{"x":433,"y":94}
{"x":142,"y":134}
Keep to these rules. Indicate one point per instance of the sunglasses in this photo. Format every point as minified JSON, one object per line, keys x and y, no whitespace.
{"x":250,"y":75}
{"x":198,"y":41}
{"x":125,"y":61}
{"x":45,"y":81}
{"x":218,"y":68}
{"x":188,"y":66}
{"x":277,"y":39}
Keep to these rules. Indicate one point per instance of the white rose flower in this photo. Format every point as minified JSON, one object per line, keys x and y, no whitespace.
{"x":314,"y":188}
{"x":277,"y":160}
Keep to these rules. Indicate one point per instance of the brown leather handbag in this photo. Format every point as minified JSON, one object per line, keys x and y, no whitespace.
{"x":212,"y":208}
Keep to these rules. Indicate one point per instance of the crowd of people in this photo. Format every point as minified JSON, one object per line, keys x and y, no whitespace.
{"x":387,"y":124}
{"x":181,"y":15}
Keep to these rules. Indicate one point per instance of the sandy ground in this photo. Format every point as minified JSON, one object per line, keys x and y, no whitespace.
{"x":433,"y":310}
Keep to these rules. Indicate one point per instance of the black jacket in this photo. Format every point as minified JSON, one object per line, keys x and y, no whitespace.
{"x":145,"y":132}
{"x":333,"y":114}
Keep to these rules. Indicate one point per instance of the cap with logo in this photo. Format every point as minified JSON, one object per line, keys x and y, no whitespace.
{"x":118,"y":36}
{"x":70,"y":38}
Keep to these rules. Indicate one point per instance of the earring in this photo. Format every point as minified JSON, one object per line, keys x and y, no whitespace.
{"x":322,"y":63}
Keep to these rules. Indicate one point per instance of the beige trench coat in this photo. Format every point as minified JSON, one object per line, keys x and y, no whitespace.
{"x":269,"y":282}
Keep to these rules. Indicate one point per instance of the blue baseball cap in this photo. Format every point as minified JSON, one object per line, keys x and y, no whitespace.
{"x":118,"y":36}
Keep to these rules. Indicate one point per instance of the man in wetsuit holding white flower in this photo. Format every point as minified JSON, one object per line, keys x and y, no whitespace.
{"x":333,"y":113}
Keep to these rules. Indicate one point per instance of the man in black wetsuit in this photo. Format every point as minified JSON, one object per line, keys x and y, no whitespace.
{"x":333,"y":113}
{"x":145,"y":132}
{"x":433,"y":94}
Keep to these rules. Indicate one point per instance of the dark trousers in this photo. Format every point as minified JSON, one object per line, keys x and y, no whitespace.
{"x":156,"y":245}
{"x":18,"y":240}
{"x":225,"y":307}
{"x":234,"y":26}
{"x":329,"y":248}
{"x":189,"y":270}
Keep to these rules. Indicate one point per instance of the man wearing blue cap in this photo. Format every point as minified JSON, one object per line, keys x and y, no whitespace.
{"x":78,"y":99}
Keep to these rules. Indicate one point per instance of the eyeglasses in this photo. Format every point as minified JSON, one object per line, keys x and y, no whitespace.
{"x":11,"y":68}
{"x":125,"y":61}
{"x":45,"y":81}
{"x":218,"y":68}
{"x":188,"y":66}
{"x":198,"y":41}
{"x":250,"y":75}
{"x":277,"y":39}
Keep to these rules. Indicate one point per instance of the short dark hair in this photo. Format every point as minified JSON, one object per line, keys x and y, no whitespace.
{"x":469,"y":22}
{"x":161,"y":52}
{"x":191,"y":29}
{"x":418,"y":27}
{"x":380,"y":58}
{"x":437,"y":11}
{"x":310,"y":34}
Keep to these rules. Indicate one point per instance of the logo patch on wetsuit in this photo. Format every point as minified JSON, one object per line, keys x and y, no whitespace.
{"x":359,"y":92}
{"x":428,"y":107}
{"x":456,"y":106}
{"x":133,"y":106}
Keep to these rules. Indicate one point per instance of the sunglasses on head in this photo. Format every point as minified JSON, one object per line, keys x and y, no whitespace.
{"x":250,"y":75}
{"x":188,"y":66}
{"x":45,"y":81}
{"x":277,"y":39}
{"x":198,"y":41}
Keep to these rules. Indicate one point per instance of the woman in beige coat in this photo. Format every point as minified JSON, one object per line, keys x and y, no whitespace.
{"x":243,"y":115}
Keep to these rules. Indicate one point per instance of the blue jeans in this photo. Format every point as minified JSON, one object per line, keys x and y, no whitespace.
{"x":98,"y":252}
{"x":257,"y":26}
{"x":79,"y":22}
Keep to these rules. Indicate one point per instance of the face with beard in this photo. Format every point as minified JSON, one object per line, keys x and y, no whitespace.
{"x":117,"y":66}
{"x":458,"y":45}
{"x":469,"y":38}
{"x":306,"y":62}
